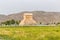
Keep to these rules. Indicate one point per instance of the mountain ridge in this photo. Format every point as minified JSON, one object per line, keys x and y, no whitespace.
{"x":39,"y":16}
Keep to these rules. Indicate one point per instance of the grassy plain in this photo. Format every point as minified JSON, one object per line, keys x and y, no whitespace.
{"x":30,"y":33}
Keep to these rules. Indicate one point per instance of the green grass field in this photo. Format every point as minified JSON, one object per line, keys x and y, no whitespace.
{"x":30,"y":33}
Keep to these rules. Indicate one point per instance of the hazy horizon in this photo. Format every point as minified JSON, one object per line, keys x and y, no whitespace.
{"x":13,"y":6}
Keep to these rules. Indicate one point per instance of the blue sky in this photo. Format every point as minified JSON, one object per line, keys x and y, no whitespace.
{"x":13,"y":6}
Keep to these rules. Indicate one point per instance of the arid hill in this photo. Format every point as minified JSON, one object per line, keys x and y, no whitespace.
{"x":39,"y":16}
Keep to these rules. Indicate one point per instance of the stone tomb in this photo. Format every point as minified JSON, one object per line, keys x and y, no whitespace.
{"x":28,"y":19}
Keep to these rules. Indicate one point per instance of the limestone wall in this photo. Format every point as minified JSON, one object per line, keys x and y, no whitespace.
{"x":28,"y":19}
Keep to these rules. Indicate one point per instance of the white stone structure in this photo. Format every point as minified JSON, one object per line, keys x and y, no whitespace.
{"x":28,"y":19}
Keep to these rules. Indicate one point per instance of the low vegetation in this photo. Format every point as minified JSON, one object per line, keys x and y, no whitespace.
{"x":30,"y":33}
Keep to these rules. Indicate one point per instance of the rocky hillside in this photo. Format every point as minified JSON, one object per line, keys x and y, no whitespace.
{"x":39,"y":16}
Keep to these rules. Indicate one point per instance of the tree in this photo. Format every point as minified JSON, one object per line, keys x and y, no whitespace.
{"x":40,"y":23}
{"x":17,"y":22}
{"x":12,"y":21}
{"x":58,"y":23}
{"x":7,"y":23}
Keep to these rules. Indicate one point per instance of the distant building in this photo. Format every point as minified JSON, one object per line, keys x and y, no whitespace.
{"x":28,"y":19}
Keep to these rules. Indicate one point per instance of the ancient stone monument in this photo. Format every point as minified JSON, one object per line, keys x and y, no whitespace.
{"x":28,"y":19}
